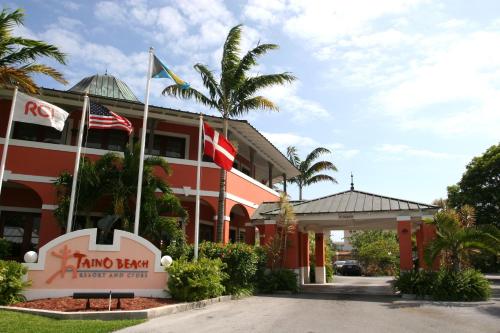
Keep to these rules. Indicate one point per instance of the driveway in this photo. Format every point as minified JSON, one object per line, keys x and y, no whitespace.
{"x":329,"y":312}
{"x":354,"y":285}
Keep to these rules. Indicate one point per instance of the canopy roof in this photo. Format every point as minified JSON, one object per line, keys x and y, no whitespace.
{"x":350,"y":210}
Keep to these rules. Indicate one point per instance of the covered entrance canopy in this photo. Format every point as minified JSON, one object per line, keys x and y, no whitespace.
{"x":351,"y":210}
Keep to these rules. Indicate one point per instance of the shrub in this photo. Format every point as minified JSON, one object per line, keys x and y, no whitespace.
{"x":329,"y":273}
{"x":279,"y":280}
{"x":419,"y":283}
{"x":241,"y":264}
{"x":466,"y":285}
{"x":4,"y":248}
{"x":11,"y":282}
{"x":194,"y":281}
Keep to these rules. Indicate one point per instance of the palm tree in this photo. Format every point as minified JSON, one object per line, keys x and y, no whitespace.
{"x":457,"y":237}
{"x":235,"y":93}
{"x":114,"y":178}
{"x":93,"y":179}
{"x":18,"y":55}
{"x":310,"y":168}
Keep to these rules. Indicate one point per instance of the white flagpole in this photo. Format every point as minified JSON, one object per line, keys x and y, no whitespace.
{"x":143,"y":143}
{"x":7,"y":138}
{"x":69,"y":224}
{"x":197,"y":205}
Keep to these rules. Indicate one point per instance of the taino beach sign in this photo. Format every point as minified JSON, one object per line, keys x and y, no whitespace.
{"x":74,"y":262}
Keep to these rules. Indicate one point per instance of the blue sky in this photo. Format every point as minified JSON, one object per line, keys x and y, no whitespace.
{"x":404,"y":93}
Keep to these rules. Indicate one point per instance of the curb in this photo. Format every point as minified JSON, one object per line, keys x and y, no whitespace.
{"x":116,"y":315}
{"x":442,"y":303}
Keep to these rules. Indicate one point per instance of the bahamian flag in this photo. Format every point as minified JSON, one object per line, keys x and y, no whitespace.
{"x":162,"y":71}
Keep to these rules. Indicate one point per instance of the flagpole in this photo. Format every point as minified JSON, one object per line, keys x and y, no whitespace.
{"x":143,"y":143}
{"x":7,"y":139}
{"x":69,"y":224}
{"x":197,"y":205}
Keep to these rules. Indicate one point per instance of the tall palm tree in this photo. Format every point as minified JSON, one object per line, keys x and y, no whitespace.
{"x":18,"y":55}
{"x":456,"y":237}
{"x":234,"y":93}
{"x":310,"y":169}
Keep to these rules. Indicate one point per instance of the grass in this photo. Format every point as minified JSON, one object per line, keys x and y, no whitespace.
{"x":26,"y":323}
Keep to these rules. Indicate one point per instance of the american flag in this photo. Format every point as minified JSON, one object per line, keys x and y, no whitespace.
{"x":101,"y":118}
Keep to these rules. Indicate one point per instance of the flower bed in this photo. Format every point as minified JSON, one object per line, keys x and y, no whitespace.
{"x":68,"y":304}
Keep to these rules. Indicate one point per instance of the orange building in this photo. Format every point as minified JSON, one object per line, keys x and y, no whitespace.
{"x":38,"y":154}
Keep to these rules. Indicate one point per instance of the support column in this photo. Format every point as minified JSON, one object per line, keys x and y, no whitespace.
{"x":405,"y":251}
{"x":284,"y":183}
{"x":49,"y":227}
{"x":428,"y":233}
{"x":304,"y":257}
{"x":249,"y":233}
{"x":319,"y":252}
{"x":270,"y":175}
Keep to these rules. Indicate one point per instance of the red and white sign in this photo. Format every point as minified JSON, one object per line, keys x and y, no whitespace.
{"x":74,"y":262}
{"x":218,"y":148}
{"x":33,"y":110}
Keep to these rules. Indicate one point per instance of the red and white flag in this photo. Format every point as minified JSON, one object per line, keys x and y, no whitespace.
{"x":29,"y":109}
{"x":218,"y":148}
{"x":101,"y":118}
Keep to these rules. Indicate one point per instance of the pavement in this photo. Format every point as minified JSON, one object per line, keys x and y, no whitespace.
{"x":327,"y":311}
{"x":354,"y":285}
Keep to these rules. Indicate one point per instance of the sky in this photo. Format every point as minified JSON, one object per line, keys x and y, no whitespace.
{"x":403,"y":92}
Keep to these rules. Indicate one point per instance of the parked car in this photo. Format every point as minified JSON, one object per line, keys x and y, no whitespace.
{"x":337,"y":265}
{"x":351,"y":267}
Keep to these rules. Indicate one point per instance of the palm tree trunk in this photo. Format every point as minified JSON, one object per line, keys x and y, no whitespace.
{"x":222,"y":196}
{"x":300,"y":192}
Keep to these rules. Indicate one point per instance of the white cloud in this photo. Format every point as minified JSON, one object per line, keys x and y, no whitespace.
{"x":300,"y":109}
{"x":286,"y":139}
{"x":401,"y":150}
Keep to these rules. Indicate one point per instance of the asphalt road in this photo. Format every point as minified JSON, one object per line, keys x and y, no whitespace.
{"x":329,"y":312}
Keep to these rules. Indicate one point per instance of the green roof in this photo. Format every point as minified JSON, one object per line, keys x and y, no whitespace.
{"x":106,"y":86}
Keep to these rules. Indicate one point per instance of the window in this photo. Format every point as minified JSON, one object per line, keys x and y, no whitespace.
{"x":168,"y":146}
{"x":34,"y":132}
{"x":206,"y":233}
{"x":107,"y":139}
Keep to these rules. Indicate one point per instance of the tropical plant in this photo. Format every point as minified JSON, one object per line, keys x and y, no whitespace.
{"x":279,"y":280}
{"x":457,"y":237}
{"x":310,"y":169}
{"x":234,"y":93}
{"x":18,"y":56}
{"x":94,"y":179}
{"x":12,"y":282}
{"x":480,"y":187}
{"x":285,"y":224}
{"x":467,"y":285}
{"x":196,"y":280}
{"x":114,"y":178}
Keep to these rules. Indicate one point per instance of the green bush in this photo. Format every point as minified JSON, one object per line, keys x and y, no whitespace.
{"x":195,"y":281}
{"x":279,"y":280}
{"x":4,"y":248}
{"x":11,"y":282}
{"x":445,"y":285}
{"x":329,"y":273}
{"x":419,"y":283}
{"x":466,"y":285}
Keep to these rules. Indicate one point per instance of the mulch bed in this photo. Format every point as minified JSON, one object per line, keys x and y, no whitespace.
{"x":68,"y":304}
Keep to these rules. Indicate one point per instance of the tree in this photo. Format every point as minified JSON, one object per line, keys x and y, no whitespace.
{"x":234,"y":93}
{"x":376,"y":250}
{"x":114,"y":178}
{"x":285,"y":224}
{"x":480,"y":187}
{"x":457,"y":237}
{"x":310,"y":168}
{"x":18,"y":56}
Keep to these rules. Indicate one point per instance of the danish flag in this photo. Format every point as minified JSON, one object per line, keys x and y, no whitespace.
{"x":218,"y":148}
